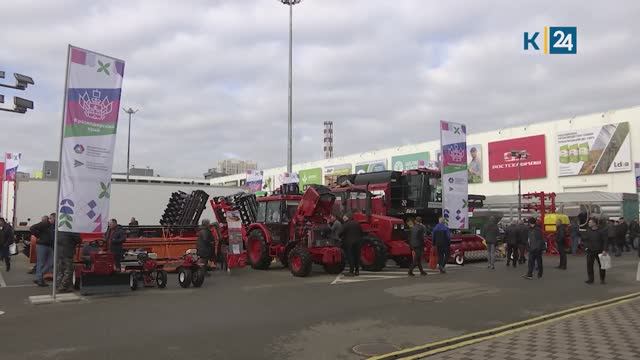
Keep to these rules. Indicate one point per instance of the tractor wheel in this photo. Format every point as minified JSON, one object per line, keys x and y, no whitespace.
{"x":300,"y":262}
{"x":373,"y":255}
{"x":258,"y":250}
{"x":459,"y":259}
{"x":161,"y":279}
{"x":75,"y":280}
{"x":284,"y":258}
{"x":184,"y":277}
{"x":133,"y":281}
{"x":336,"y":268}
{"x":403,"y":261}
{"x":198,"y":277}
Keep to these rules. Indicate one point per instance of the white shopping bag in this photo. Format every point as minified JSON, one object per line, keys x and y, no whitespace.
{"x":13,"y":249}
{"x":638,"y":273}
{"x":605,"y":261}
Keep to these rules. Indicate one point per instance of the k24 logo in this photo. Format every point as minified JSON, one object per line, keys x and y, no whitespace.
{"x":555,"y":40}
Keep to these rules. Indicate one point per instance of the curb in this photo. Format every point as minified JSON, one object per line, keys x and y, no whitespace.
{"x":465,"y":340}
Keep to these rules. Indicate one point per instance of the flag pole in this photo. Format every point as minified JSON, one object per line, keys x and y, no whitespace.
{"x":55,"y":238}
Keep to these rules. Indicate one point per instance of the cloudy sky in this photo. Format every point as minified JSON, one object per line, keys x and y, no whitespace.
{"x":210,"y":77}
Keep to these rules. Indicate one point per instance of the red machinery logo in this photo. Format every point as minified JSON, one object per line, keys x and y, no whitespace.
{"x":503,"y":164}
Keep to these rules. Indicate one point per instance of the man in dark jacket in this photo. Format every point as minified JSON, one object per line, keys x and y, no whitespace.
{"x":490,"y":232}
{"x":204,"y":245}
{"x":441,"y":236}
{"x":560,"y":244}
{"x":511,"y":236}
{"x":595,"y":243}
{"x":44,"y":248}
{"x":536,"y":247}
{"x":352,"y":241}
{"x":66,"y":243}
{"x":523,"y":240}
{"x":134,"y":230}
{"x":115,"y":238}
{"x":634,"y":232}
{"x":416,"y":241}
{"x":621,"y":236}
{"x":6,"y":239}
{"x":611,"y":235}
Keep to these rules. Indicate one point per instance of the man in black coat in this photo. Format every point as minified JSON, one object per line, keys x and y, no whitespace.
{"x":560,"y":244}
{"x":536,"y":247}
{"x":523,"y":241}
{"x":511,"y":236}
{"x":6,"y":239}
{"x":66,"y":243}
{"x":115,"y":237}
{"x":205,"y":241}
{"x":595,"y":243}
{"x":490,"y":232}
{"x":352,"y":241}
{"x":416,"y":241}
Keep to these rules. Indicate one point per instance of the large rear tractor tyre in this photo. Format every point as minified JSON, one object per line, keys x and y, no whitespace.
{"x":336,"y":268}
{"x":403,"y":261}
{"x":184,"y":277}
{"x":300,"y":262}
{"x":373,"y":254}
{"x":258,"y":250}
{"x":198,"y":277}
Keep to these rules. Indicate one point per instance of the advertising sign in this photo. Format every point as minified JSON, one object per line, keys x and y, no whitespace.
{"x":638,"y":177}
{"x":91,"y":109}
{"x":503,"y":166}
{"x":410,"y":161}
{"x":234,"y":224}
{"x":474,"y":163}
{"x":310,"y":176}
{"x":254,"y":180}
{"x":598,"y":150}
{"x":12,"y":162}
{"x":455,"y":186}
{"x":1,"y":183}
{"x":331,"y":173}
{"x":371,"y":166}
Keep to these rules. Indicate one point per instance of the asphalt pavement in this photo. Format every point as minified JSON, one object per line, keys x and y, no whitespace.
{"x":252,"y":314}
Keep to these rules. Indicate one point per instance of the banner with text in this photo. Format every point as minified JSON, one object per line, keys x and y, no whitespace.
{"x":12,"y":162}
{"x":474,"y":163}
{"x":598,"y":150}
{"x":94,"y":84}
{"x":504,"y":166}
{"x":309,"y":177}
{"x":410,"y":161}
{"x":331,"y":173}
{"x":371,"y":166}
{"x":254,"y":180}
{"x":638,"y":177}
{"x":455,"y":185}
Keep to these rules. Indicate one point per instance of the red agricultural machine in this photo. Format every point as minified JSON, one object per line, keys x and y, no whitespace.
{"x":288,"y":226}
{"x":146,"y":272}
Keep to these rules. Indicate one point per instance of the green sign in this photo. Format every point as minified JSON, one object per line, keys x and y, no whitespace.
{"x":410,"y":161}
{"x":310,"y":176}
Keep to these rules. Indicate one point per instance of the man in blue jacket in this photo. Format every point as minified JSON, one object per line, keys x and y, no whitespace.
{"x":442,"y":240}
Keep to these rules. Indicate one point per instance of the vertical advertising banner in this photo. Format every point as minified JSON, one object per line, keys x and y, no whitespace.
{"x":504,"y":166}
{"x":410,"y":161}
{"x":1,"y":185}
{"x":12,"y":162}
{"x":254,"y":180}
{"x":455,"y":186}
{"x":599,"y":150}
{"x":309,"y":177}
{"x":638,"y":177}
{"x":371,"y":166}
{"x":331,"y":173}
{"x":474,"y":163}
{"x":94,"y":84}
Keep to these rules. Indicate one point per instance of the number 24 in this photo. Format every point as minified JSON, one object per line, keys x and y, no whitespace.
{"x":564,"y":41}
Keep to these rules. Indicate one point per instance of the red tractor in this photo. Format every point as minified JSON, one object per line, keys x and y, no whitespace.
{"x":287,"y":226}
{"x":192,"y":270}
{"x":146,"y":272}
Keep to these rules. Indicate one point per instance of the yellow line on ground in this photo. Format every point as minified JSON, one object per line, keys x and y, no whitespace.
{"x":503,"y":330}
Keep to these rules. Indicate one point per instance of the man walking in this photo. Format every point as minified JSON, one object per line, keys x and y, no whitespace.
{"x":66,"y":243}
{"x":595,"y":243}
{"x":352,"y":240}
{"x":442,"y":240}
{"x":204,"y":244}
{"x":523,"y":241}
{"x":490,"y":233}
{"x":416,"y":241}
{"x":511,"y":236}
{"x":560,"y":244}
{"x":115,"y":238}
{"x":536,"y":247}
{"x":634,"y":232}
{"x":575,"y":236}
{"x":6,"y":239}
{"x":621,"y":235}
{"x":44,"y":248}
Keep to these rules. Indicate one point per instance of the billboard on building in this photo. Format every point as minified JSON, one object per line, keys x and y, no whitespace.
{"x":598,"y":150}
{"x":254,"y":180}
{"x":418,"y":160}
{"x":474,"y":163}
{"x":371,"y":166}
{"x":309,"y":177}
{"x":455,"y":184}
{"x":503,"y":166}
{"x":331,"y":173}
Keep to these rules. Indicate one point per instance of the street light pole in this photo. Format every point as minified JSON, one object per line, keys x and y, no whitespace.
{"x":129,"y":111}
{"x":519,"y":155}
{"x":290,"y":3}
